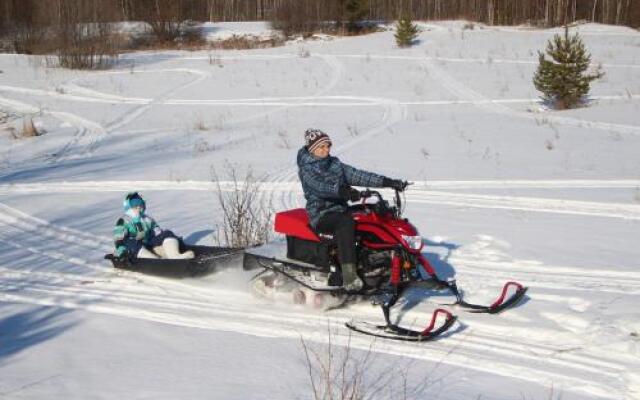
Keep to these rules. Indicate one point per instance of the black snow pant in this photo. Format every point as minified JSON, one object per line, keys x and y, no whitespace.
{"x":133,"y":246}
{"x":343,"y":228}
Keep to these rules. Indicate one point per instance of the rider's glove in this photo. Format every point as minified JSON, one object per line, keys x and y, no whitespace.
{"x":396,"y":184}
{"x":349,"y":193}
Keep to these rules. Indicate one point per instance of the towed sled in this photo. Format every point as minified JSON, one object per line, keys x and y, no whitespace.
{"x":390,"y":261}
{"x":207,"y":259}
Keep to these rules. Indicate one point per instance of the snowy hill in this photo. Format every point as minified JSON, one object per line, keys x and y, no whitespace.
{"x":505,"y":189}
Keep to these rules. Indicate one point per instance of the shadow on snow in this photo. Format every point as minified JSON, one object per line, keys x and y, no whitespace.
{"x":26,"y":329}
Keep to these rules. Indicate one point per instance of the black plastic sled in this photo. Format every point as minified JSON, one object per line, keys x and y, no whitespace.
{"x":207,"y":259}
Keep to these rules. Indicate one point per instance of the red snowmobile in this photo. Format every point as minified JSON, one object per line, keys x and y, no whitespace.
{"x":389,"y":261}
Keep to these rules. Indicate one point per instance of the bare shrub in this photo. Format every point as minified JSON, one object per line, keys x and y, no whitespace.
{"x":84,"y":45}
{"x":29,"y":128}
{"x":201,"y":147}
{"x":166,"y":31}
{"x":77,"y":41}
{"x":292,"y":18}
{"x":284,"y":139}
{"x":91,"y":52}
{"x":199,"y":123}
{"x":245,"y":42}
{"x":246,"y":213}
{"x":335,"y":374}
{"x":142,"y":41}
{"x":341,"y":372}
{"x":306,"y":17}
{"x":303,"y":53}
{"x":353,"y":130}
{"x":215,"y":60}
{"x":165,"y":17}
{"x":191,"y":35}
{"x":30,"y":40}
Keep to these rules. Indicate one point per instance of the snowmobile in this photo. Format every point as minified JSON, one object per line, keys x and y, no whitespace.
{"x":206,"y":260}
{"x":389,"y":261}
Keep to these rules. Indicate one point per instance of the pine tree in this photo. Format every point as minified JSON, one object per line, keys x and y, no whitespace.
{"x":406,"y":31}
{"x":563,"y":80}
{"x":355,"y":11}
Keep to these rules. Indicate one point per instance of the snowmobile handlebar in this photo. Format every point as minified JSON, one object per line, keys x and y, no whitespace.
{"x":367,"y":193}
{"x":382,"y":206}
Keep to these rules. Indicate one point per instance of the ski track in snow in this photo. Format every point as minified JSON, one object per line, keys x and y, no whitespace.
{"x":465,"y":93}
{"x":101,"y":289}
{"x":417,"y":194}
{"x":89,"y":133}
{"x":77,"y":93}
{"x":178,"y":303}
{"x":545,"y":361}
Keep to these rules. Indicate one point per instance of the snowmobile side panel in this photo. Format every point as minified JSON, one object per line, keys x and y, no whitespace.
{"x":297,"y":273}
{"x":308,"y":251}
{"x":254,"y":261}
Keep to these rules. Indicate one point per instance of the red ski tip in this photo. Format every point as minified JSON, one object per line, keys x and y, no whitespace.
{"x":505,"y":289}
{"x":434,"y":317}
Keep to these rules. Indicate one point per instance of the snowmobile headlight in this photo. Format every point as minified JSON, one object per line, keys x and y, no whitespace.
{"x":414,"y":242}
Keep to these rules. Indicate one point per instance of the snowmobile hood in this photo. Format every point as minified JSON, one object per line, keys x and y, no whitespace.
{"x":403,"y":226}
{"x":399,"y":226}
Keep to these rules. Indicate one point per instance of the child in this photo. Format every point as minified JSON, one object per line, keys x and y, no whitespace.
{"x":137,"y":235}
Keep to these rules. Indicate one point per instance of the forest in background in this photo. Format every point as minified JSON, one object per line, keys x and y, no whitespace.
{"x":46,"y":27}
{"x":15,"y":13}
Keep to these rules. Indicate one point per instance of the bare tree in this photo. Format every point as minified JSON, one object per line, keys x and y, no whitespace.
{"x":28,"y":24}
{"x":246,"y":213}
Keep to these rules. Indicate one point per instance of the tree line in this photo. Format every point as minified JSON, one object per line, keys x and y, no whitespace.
{"x":81,"y":34}
{"x":14,"y":13}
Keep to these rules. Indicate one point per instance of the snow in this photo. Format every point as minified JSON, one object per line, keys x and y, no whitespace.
{"x":224,"y":30}
{"x":211,"y":31}
{"x":505,"y":190}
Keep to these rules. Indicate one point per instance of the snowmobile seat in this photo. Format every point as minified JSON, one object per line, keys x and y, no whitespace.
{"x":295,"y":223}
{"x":303,"y":244}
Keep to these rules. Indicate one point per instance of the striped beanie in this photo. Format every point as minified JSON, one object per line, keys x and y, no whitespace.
{"x":314,"y":138}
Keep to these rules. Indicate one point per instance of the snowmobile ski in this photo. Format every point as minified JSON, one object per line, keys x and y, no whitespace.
{"x":395,"y":332}
{"x":499,"y":305}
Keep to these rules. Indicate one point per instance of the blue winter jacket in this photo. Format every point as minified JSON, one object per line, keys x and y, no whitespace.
{"x":322,"y":179}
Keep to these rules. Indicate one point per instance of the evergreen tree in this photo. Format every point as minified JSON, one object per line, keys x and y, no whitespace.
{"x":355,"y":11}
{"x":406,"y":31}
{"x":563,"y":79}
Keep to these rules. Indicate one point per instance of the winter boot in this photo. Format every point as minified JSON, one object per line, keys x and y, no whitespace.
{"x":351,"y":282}
{"x":159,"y":250}
{"x":171,"y":248}
{"x":144,"y":253}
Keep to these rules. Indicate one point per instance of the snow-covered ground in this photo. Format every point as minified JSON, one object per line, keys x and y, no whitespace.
{"x":504,"y":190}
